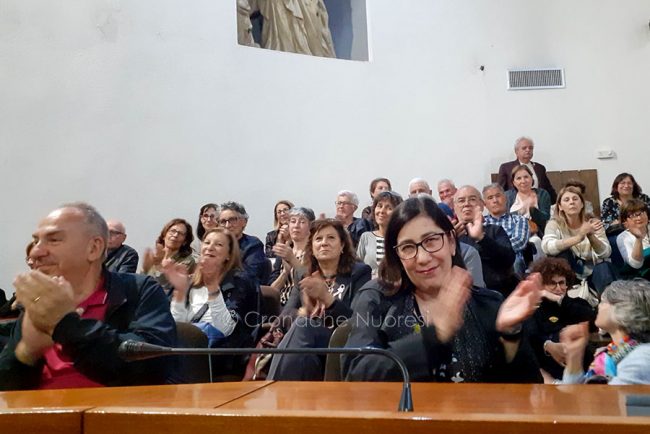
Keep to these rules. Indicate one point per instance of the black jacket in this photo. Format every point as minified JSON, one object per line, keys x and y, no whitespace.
{"x":124,"y":259}
{"x":475,"y":354}
{"x":137,"y":310}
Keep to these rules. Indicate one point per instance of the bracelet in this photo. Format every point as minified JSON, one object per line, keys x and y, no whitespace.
{"x":512,"y":335}
{"x":546,"y":342}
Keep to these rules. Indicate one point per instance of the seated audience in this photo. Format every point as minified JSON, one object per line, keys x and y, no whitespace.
{"x":424,"y":309}
{"x":208,"y":216}
{"x":371,"y":245}
{"x":291,"y":253}
{"x":491,"y":241}
{"x":446,"y":191}
{"x":419,"y":186}
{"x":346,"y":205}
{"x":76,"y":314}
{"x":532,"y":203}
{"x":623,"y":313}
{"x":556,"y":311}
{"x":515,"y":225}
{"x":320,"y":301}
{"x":524,"y":147}
{"x":120,"y":258}
{"x":175,"y":243}
{"x":219,"y":299}
{"x":634,"y":242}
{"x":624,"y":188}
{"x":234,"y":218}
{"x":280,"y":227}
{"x":377,"y":186}
{"x":579,"y":240}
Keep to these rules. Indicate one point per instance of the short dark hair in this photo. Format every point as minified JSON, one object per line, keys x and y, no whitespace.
{"x":391,"y":272}
{"x":632,"y":206}
{"x":235,"y":206}
{"x":636,"y":188}
{"x":385,"y":196}
{"x":549,"y":267}
{"x":348,"y":256}
{"x":186,"y":248}
{"x":200,"y":230}
{"x":374,"y":182}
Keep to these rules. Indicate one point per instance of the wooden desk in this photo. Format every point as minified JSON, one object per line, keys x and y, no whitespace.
{"x":61,"y":411}
{"x":340,"y":408}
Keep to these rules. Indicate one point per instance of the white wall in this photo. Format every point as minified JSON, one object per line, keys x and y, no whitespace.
{"x":149,"y":108}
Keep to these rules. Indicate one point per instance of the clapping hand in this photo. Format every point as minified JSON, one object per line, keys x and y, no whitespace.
{"x":520,"y":304}
{"x":177,"y":274}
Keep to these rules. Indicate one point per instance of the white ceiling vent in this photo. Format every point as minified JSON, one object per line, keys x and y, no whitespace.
{"x":548,"y":78}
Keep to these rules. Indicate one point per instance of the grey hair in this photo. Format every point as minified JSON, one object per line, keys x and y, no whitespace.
{"x":350,"y":195}
{"x":444,"y":181}
{"x":300,"y":211}
{"x":419,"y":181}
{"x":493,"y":185}
{"x":469,"y":187}
{"x":234,"y":206}
{"x":92,"y":218}
{"x":521,"y":139}
{"x":630,"y":300}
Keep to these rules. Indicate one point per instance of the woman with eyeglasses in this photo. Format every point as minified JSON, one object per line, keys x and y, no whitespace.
{"x":624,"y":313}
{"x":321,"y":300}
{"x":174,"y":243}
{"x":556,"y":311}
{"x":371,"y":244}
{"x":280,"y":232}
{"x":208,"y":216}
{"x":424,"y":309}
{"x":634,"y":242}
{"x":624,"y":188}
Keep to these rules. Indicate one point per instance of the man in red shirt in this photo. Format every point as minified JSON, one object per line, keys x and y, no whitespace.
{"x":76,"y":314}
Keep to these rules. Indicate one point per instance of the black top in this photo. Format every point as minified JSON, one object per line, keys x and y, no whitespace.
{"x":394,"y":322}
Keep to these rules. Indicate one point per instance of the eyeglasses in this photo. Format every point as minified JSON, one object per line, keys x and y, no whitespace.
{"x":115,"y":233}
{"x":176,"y":232}
{"x":225,"y":222}
{"x":430,"y":244}
{"x":282,"y":211}
{"x":341,"y":203}
{"x":209,"y":216}
{"x":559,"y":283}
{"x":636,"y":214}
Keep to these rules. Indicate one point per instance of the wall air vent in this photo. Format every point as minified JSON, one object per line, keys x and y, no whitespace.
{"x":524,"y":79}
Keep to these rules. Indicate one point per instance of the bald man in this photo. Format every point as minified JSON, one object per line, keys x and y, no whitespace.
{"x":75,"y":314}
{"x":120,"y":258}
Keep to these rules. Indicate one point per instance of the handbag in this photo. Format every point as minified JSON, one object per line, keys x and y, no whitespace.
{"x":584,"y":291}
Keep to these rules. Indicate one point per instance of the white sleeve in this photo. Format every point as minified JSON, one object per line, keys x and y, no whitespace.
{"x":179,"y":311}
{"x":552,"y":239}
{"x":625,"y":242}
{"x":222,"y":319}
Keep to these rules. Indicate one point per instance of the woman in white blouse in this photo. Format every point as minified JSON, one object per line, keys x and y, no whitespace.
{"x":634,"y":242}
{"x":218,"y":298}
{"x":582,"y":242}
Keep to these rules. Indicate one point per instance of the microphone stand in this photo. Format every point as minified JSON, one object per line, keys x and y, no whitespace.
{"x":134,"y":350}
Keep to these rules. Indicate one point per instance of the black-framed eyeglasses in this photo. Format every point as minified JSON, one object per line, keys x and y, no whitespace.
{"x":430,"y":244}
{"x":209,"y":216}
{"x":231,"y":220}
{"x":115,"y":233}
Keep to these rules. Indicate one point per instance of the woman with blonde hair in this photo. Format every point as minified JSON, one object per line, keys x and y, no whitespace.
{"x":579,"y":240}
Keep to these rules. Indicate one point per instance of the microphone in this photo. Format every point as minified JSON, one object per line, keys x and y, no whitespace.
{"x":133,"y":350}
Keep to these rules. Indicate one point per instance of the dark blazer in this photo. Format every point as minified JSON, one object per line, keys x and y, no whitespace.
{"x":505,"y":173}
{"x":254,"y":262}
{"x":124,"y":259}
{"x":351,"y":282}
{"x":137,"y":310}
